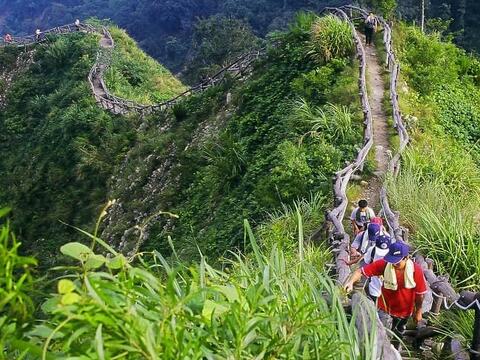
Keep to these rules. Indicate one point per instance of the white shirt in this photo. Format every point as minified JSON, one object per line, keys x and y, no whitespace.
{"x":363,"y":215}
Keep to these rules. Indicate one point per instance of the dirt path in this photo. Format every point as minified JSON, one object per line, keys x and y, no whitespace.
{"x":381,"y":145}
{"x":98,"y":88}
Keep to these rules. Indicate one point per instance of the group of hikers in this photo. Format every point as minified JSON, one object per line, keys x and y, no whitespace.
{"x":8,"y":38}
{"x":395,"y":282}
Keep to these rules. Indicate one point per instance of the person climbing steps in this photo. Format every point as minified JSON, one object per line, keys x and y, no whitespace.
{"x":403,"y":288}
{"x":371,"y":23}
{"x":361,"y":216}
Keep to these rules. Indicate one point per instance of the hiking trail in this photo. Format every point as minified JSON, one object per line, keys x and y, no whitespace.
{"x":376,"y":87}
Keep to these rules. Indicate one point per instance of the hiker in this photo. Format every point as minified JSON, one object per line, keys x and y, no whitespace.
{"x":403,"y":288}
{"x":370,"y":26}
{"x":378,"y":220}
{"x":8,"y":39}
{"x":38,"y":34}
{"x":361,"y":216}
{"x":364,"y":240}
{"x":77,"y":24}
{"x":374,"y":253}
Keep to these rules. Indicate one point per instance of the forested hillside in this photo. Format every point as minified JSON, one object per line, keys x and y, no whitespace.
{"x":59,"y":148}
{"x":163,"y":28}
{"x":257,"y":164}
{"x":169,"y":30}
{"x":203,"y":226}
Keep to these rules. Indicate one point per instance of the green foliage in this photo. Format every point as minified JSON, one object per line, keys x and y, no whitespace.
{"x":331,"y":38}
{"x":456,"y":324}
{"x":157,"y":310}
{"x":135,"y":76}
{"x":218,"y":164}
{"x":15,"y":276}
{"x":59,"y":147}
{"x":218,"y":41}
{"x":385,"y":7}
{"x":16,"y":285}
{"x":438,"y":190}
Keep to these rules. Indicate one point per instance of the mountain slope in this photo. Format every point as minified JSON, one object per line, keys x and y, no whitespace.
{"x":59,"y":148}
{"x":209,"y":162}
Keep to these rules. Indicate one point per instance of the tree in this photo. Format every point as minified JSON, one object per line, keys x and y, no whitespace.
{"x":217,"y":41}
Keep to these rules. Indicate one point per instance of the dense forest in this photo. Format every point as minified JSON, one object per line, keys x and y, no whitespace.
{"x":170,"y":32}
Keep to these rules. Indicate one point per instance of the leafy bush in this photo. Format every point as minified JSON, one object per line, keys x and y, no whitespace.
{"x":331,"y":38}
{"x":438,"y":189}
{"x":110,"y":307}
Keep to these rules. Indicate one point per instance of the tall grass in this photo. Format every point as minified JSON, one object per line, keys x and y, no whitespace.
{"x":330,"y":38}
{"x":335,"y":121}
{"x":455,"y":323}
{"x":261,"y":307}
{"x":438,"y":196}
{"x":16,"y":283}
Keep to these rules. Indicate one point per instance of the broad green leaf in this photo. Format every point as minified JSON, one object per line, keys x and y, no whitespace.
{"x":70,"y":298}
{"x":212,"y":308}
{"x":230,"y":292}
{"x":95,"y":261}
{"x":4,"y":211}
{"x":50,"y":305}
{"x":65,"y":286}
{"x":44,"y":331}
{"x":76,"y":250}
{"x":117,"y":262}
{"x":99,"y":343}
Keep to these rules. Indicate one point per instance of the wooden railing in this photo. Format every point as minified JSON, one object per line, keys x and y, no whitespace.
{"x":43,"y":36}
{"x":363,"y":307}
{"x":441,"y":293}
{"x":116,"y":104}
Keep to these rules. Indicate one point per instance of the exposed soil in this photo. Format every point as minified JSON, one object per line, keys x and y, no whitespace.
{"x":381,"y":145}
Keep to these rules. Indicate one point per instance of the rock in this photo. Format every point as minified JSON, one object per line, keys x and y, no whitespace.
{"x":363,"y":183}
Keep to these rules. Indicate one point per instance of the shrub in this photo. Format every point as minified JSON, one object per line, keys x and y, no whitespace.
{"x":330,"y":38}
{"x":263,"y":306}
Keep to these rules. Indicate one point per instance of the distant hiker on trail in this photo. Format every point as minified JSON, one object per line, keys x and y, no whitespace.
{"x":8,"y":39}
{"x":403,"y":288}
{"x":77,"y":24}
{"x":38,"y":34}
{"x":370,"y":26}
{"x":361,"y":216}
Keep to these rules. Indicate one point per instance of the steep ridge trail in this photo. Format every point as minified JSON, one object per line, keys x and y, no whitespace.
{"x":380,"y":126}
{"x":238,"y":69}
{"x":376,"y":132}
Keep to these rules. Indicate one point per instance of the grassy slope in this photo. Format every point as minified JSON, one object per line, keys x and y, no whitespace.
{"x":136,"y":76}
{"x":59,"y":148}
{"x":258,"y":159}
{"x":438,"y":190}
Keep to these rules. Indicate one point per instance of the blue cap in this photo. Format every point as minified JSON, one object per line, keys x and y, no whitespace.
{"x":373,"y":230}
{"x":383,"y":242}
{"x":396,"y":252}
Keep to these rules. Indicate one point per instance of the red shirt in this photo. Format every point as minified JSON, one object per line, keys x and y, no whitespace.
{"x":400,"y":302}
